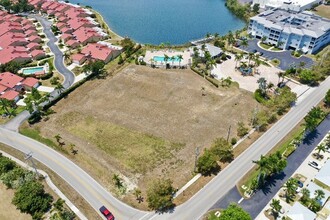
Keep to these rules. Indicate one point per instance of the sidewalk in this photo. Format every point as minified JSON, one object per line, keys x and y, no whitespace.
{"x":50,"y":184}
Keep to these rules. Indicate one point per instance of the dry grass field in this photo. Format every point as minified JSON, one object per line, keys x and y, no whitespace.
{"x":145,"y":123}
{"x":8,"y":210}
{"x":323,"y":10}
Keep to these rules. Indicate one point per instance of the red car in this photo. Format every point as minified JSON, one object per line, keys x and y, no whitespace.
{"x":107,"y":213}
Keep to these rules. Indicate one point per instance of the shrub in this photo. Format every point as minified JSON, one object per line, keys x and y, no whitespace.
{"x":233,"y":141}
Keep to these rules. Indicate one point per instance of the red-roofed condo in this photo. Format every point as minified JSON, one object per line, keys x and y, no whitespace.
{"x":30,"y":83}
{"x":73,"y":43}
{"x":18,"y":54}
{"x":87,"y":35}
{"x":78,"y":58}
{"x":38,"y":54}
{"x":11,"y":81}
{"x":100,"y":52}
{"x":10,"y":95}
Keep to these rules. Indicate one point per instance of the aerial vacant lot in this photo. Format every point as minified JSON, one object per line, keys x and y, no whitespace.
{"x":144,"y":123}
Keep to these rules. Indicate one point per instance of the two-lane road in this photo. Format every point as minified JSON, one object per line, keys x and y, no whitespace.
{"x":83,"y":183}
{"x":226,"y":179}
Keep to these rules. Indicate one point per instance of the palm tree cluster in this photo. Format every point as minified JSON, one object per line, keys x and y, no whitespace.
{"x":268,"y":166}
{"x":254,"y":61}
{"x":314,"y":204}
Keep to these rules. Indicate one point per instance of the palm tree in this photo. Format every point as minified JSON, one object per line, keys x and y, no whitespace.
{"x":117,"y":180}
{"x":216,"y":36}
{"x":173,"y":59}
{"x":276,"y":207}
{"x":320,"y":148}
{"x":6,"y":106}
{"x":262,"y":85}
{"x":319,"y":194}
{"x":166,"y":58}
{"x":59,"y":87}
{"x":291,"y":187}
{"x":238,"y":57}
{"x":180,"y":58}
{"x":305,"y":195}
{"x":58,"y":138}
{"x":263,"y":167}
{"x":263,"y":39}
{"x":251,"y":56}
{"x":245,"y":43}
{"x":211,"y":63}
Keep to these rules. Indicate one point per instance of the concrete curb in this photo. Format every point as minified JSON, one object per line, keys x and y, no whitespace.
{"x":78,"y":213}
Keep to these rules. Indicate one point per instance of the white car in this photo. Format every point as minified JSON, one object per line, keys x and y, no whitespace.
{"x":314,"y":164}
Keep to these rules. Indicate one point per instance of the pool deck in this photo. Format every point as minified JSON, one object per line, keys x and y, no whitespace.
{"x":150,"y":54}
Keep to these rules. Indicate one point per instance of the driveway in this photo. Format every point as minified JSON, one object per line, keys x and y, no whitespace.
{"x":261,"y":198}
{"x":58,"y":61}
{"x":59,"y":65}
{"x":285,"y":58}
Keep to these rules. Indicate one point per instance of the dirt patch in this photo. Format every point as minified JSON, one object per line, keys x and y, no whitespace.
{"x":145,"y":123}
{"x":7,"y":209}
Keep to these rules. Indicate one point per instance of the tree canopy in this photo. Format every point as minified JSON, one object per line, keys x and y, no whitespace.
{"x":160,"y":195}
{"x":234,"y":212}
{"x":207,"y":163}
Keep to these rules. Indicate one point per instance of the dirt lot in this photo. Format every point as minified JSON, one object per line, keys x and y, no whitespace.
{"x":8,"y":210}
{"x":145,"y":123}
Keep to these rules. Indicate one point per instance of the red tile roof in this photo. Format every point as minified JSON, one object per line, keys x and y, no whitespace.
{"x":10,"y":95}
{"x":33,"y":45}
{"x":97,"y":51}
{"x":14,"y":53}
{"x":9,"y":79}
{"x":72,"y":43}
{"x":84,"y":34}
{"x":30,"y":82}
{"x":3,"y":88}
{"x":37,"y":52}
{"x":78,"y":57}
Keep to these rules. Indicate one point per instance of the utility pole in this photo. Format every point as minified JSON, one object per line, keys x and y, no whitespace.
{"x":229,"y":129}
{"x":196,"y":157}
{"x":255,"y":112}
{"x":29,"y":158}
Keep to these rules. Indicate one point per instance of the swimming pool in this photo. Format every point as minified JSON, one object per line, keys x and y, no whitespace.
{"x":162,"y":59}
{"x":32,"y":70}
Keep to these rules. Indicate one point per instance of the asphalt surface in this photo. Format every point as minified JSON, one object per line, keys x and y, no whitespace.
{"x":260,"y":199}
{"x":59,"y":65}
{"x":83,"y":183}
{"x":218,"y":187}
{"x":285,"y":58}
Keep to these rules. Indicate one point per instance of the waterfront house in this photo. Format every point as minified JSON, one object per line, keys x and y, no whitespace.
{"x":87,"y":35}
{"x":98,"y":51}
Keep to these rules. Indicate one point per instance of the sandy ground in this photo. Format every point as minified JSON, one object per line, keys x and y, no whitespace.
{"x":8,"y":210}
{"x":146,"y":103}
{"x":249,"y":83}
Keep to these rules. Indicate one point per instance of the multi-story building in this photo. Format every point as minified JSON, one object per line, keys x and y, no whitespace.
{"x":303,"y":31}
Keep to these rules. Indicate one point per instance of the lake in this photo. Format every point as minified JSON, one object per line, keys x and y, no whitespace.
{"x":160,"y":21}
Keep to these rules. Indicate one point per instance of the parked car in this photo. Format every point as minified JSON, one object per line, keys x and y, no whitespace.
{"x":107,"y":213}
{"x":254,"y":51}
{"x":228,"y":57}
{"x":314,"y":165}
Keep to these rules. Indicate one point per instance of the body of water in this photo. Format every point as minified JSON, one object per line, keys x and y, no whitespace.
{"x":162,"y":21}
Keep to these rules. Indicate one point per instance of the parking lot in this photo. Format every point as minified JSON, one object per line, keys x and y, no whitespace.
{"x":285,"y":58}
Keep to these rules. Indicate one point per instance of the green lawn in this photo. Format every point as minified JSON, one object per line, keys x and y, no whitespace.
{"x":137,"y":151}
{"x":265,"y":46}
{"x":35,"y":134}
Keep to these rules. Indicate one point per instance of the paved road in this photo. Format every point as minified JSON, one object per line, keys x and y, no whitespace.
{"x":261,"y":198}
{"x":84,"y":184}
{"x":59,"y":65}
{"x":227,"y":179}
{"x":286,"y":60}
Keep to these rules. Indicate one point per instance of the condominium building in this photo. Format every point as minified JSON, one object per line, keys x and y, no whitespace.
{"x":293,"y":5}
{"x":303,"y":31}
